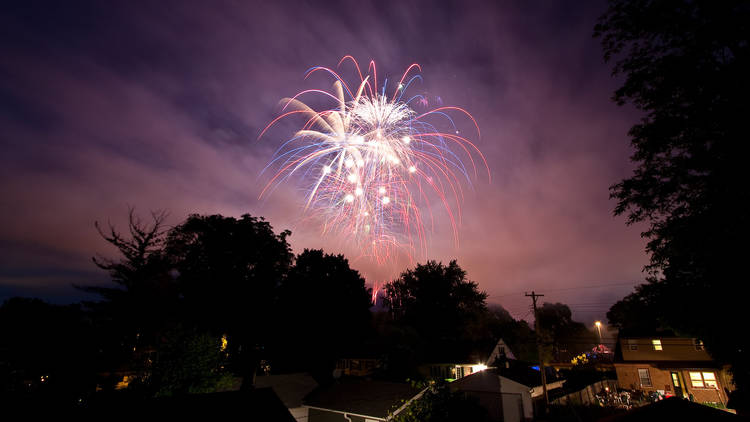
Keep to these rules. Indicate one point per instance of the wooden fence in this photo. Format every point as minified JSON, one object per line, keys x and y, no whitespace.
{"x":586,"y":396}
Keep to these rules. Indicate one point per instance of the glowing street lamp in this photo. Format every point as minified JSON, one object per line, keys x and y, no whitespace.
{"x":599,"y":329}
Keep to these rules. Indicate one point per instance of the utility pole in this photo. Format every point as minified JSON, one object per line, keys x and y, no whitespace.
{"x":533,"y":297}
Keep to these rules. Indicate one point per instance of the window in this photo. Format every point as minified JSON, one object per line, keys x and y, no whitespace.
{"x":645,"y":377}
{"x":703,"y":380}
{"x":633,"y":347}
{"x":657,"y":344}
{"x":675,"y":379}
{"x":699,"y":345}
{"x":710,"y":380}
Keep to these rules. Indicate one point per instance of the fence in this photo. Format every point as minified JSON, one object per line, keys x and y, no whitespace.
{"x":586,"y":396}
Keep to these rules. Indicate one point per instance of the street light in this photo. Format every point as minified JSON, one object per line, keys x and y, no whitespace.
{"x":599,"y":329}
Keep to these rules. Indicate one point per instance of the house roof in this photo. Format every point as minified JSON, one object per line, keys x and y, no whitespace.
{"x":522,"y":374}
{"x":488,"y":381}
{"x":496,"y":352}
{"x":643,"y":349}
{"x":361,"y":396}
{"x":673,"y":364}
{"x":673,"y":409}
{"x":291,"y":388}
{"x":259,"y":404}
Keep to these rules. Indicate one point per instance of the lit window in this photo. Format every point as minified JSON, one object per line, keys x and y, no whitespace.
{"x":710,"y":380}
{"x":699,"y":345}
{"x":633,"y":347}
{"x":696,"y":379}
{"x":645,"y":377}
{"x":675,"y":379}
{"x":703,"y":380}
{"x":657,"y":344}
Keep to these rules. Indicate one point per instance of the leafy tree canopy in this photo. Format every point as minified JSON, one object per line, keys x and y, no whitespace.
{"x":439,"y":404}
{"x":324,"y":312}
{"x":439,"y":302}
{"x":564,"y":337}
{"x":228,"y":271}
{"x":684,"y":65}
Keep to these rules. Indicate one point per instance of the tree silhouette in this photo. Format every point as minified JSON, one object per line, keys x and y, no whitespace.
{"x":143,"y":303}
{"x":228,"y":271}
{"x":323,"y":311}
{"x":439,"y":303}
{"x":212,"y":276}
{"x":563,"y":337}
{"x":685,"y":65}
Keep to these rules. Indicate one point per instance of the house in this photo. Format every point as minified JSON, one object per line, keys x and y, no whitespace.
{"x":449,"y":371}
{"x":673,"y":409}
{"x":291,"y":389}
{"x":500,"y":351}
{"x":505,"y":399}
{"x":456,"y":370}
{"x":358,"y":400}
{"x":357,"y":367}
{"x":671,"y":366}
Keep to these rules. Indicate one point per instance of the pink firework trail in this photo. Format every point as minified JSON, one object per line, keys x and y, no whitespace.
{"x":371,"y":164}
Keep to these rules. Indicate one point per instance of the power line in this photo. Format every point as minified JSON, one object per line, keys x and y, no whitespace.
{"x":594,"y":286}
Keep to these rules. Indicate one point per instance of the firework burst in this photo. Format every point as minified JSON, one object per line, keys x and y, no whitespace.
{"x":371,"y":165}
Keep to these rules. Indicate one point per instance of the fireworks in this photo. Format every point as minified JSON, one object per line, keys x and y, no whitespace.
{"x":371,"y":164}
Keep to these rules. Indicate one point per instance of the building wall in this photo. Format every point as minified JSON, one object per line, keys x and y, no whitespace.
{"x":446,"y":370}
{"x":358,"y":367}
{"x":513,"y":410}
{"x":661,"y":379}
{"x":491,"y":402}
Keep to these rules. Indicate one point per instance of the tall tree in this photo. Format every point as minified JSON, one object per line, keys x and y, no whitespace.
{"x":639,"y":313}
{"x":228,"y":271}
{"x":516,"y":333}
{"x":143,"y":300}
{"x":564,"y":337}
{"x":324,"y":309}
{"x":439,"y":302}
{"x":684,"y":65}
{"x":211,"y":276}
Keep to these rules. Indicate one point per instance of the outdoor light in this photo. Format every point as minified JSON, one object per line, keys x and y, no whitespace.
{"x":478,"y":367}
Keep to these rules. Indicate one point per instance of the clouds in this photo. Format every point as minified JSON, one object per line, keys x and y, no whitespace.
{"x":159,"y":106}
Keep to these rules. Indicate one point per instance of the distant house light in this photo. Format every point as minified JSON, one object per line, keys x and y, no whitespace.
{"x":224,"y":343}
{"x":699,"y":345}
{"x":657,"y":344}
{"x":478,"y":367}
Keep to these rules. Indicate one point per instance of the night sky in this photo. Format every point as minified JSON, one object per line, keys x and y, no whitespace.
{"x":158,"y":105}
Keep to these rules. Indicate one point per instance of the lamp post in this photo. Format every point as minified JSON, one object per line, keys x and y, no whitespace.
{"x":599,"y":330}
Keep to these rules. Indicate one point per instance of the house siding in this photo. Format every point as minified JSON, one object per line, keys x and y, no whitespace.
{"x":661,"y":379}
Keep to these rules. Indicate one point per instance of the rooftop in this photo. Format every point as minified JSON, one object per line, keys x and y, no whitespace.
{"x":361,"y":396}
